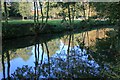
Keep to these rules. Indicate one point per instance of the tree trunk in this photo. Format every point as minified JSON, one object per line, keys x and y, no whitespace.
{"x":41,"y":11}
{"x":84,"y":11}
{"x":6,"y":14}
{"x":0,"y":11}
{"x":34,"y":13}
{"x":69,"y":13}
{"x":47,"y":12}
{"x":22,"y":17}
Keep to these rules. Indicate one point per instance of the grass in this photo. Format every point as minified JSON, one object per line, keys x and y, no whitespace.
{"x":18,"y":28}
{"x":56,"y":21}
{"x":30,"y":21}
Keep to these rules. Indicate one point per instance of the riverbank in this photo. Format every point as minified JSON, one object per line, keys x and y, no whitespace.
{"x":22,"y":42}
{"x":20,"y":28}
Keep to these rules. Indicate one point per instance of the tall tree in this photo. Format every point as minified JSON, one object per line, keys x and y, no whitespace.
{"x":47,"y":14}
{"x":0,"y":12}
{"x":5,"y":12}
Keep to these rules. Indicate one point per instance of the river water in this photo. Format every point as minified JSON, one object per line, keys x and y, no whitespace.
{"x":89,"y":54}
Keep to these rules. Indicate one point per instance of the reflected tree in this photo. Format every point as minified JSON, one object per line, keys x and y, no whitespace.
{"x":105,"y":54}
{"x":4,"y":56}
{"x":3,"y":65}
{"x":42,"y":53}
{"x":68,"y":51}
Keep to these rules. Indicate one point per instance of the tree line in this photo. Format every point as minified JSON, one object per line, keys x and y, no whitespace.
{"x":70,"y":10}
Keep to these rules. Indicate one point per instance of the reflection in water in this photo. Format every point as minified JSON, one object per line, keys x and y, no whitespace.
{"x":108,"y":51}
{"x":48,"y":58}
{"x":36,"y":59}
{"x":42,"y":53}
{"x":92,"y":54}
{"x":3,"y":65}
{"x":8,"y":62}
{"x":8,"y":65}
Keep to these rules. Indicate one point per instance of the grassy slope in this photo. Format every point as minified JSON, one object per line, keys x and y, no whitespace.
{"x":17,"y":28}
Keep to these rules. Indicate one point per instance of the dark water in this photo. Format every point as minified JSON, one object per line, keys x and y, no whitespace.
{"x":89,"y":54}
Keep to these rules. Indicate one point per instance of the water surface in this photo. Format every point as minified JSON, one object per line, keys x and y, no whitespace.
{"x":90,"y":53}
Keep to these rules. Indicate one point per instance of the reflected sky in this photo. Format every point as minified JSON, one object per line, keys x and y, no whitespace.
{"x":19,"y":62}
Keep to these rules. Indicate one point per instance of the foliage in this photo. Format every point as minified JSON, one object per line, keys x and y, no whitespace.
{"x":108,"y":10}
{"x":107,"y":49}
{"x":24,"y":73}
{"x":25,"y":9}
{"x":14,"y":9}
